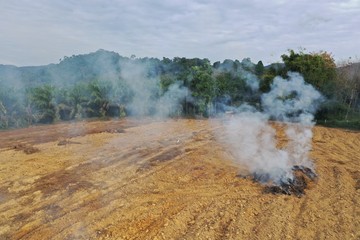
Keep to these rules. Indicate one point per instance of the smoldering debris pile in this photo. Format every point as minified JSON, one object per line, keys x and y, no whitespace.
{"x":302,"y":178}
{"x":253,"y":142}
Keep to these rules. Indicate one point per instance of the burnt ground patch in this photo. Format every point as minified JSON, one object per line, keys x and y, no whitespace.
{"x":160,"y":158}
{"x":303,"y":177}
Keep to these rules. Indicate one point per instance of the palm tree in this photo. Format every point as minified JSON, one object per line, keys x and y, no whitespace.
{"x":42,"y":101}
{"x":99,"y":98}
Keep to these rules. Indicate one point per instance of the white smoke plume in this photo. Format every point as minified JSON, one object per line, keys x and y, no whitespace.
{"x":146,"y":95}
{"x":294,"y":101}
{"x":253,"y":140}
{"x":170,"y":103}
{"x":252,"y":81}
{"x":142,"y":87}
{"x":291,"y":100}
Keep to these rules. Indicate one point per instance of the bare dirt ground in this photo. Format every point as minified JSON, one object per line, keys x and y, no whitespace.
{"x":132,"y":179}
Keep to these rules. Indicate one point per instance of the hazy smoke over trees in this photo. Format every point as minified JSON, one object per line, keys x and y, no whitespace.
{"x":105,"y":84}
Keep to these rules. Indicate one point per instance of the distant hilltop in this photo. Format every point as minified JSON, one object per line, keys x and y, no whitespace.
{"x":101,"y":64}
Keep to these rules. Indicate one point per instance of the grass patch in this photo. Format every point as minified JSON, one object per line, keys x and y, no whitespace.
{"x":347,"y":124}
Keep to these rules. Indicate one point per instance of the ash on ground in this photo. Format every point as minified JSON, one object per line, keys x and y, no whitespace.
{"x":302,"y":178}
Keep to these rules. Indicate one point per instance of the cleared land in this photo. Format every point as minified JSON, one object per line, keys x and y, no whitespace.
{"x":137,"y":179}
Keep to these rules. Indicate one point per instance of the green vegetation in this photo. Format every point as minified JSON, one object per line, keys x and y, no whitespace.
{"x":105,"y":84}
{"x":340,"y":85}
{"x":318,"y":69}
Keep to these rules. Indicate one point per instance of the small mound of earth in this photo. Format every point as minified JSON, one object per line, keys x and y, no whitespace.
{"x":66,"y":142}
{"x":303,"y":177}
{"x":26,"y":148}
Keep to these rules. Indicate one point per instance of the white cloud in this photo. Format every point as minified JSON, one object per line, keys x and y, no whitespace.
{"x":40,"y":32}
{"x":350,"y":5}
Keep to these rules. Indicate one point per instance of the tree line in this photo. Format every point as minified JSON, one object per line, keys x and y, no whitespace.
{"x":105,"y":84}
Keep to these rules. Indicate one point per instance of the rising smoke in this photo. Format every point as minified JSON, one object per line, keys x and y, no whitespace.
{"x":147,"y":98}
{"x":100,"y":84}
{"x":143,"y":88}
{"x":169,"y":104}
{"x":252,"y":139}
{"x":250,"y":136}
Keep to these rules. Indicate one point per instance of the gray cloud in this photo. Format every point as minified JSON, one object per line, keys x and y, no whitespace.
{"x":41,"y":32}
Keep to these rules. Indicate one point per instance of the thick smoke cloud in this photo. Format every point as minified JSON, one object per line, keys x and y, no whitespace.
{"x":252,"y":141}
{"x":292,"y":100}
{"x":252,"y":138}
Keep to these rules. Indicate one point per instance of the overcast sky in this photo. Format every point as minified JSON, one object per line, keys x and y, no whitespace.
{"x":38,"y":32}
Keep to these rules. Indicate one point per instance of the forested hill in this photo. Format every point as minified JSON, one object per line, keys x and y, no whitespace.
{"x":105,"y":83}
{"x":106,"y":65}
{"x":70,"y":70}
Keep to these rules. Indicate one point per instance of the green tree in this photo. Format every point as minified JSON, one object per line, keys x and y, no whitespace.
{"x":42,"y":101}
{"x":13,"y":109}
{"x":203,"y":88}
{"x":259,"y":69}
{"x":318,"y":69}
{"x":267,"y":79}
{"x":230,"y":85}
{"x":165,"y":81}
{"x":72,"y":101}
{"x":99,"y":98}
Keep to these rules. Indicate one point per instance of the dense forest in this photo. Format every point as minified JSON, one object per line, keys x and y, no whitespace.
{"x":104,"y":84}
